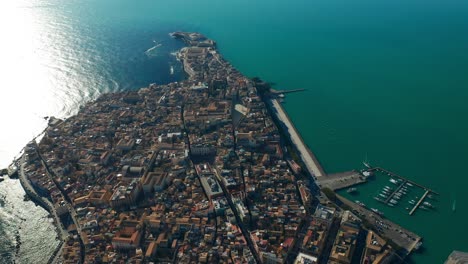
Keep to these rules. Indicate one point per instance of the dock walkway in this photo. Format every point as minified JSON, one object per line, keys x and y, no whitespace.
{"x":273,"y":91}
{"x":419,"y":202}
{"x":338,"y":181}
{"x":394,"y":192}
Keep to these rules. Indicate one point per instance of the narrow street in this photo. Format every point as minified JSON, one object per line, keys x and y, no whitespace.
{"x":239,"y":221}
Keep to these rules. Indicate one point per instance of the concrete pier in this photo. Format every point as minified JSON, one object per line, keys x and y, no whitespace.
{"x":393,"y":193}
{"x":341,"y":180}
{"x":273,"y":91}
{"x":309,"y":159}
{"x":419,"y":202}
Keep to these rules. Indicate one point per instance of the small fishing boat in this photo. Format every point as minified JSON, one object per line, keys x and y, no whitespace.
{"x":427,"y":204}
{"x":367,"y":165}
{"x":418,"y":245}
{"x":153,"y":51}
{"x":378,"y":199}
{"x":360,"y":203}
{"x":393,"y":181}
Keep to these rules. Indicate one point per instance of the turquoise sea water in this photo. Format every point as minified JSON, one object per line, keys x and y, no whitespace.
{"x":384,"y":78}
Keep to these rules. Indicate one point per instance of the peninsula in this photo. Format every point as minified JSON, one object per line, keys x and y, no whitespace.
{"x":206,"y":170}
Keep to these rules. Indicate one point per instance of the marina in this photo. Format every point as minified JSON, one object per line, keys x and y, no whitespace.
{"x":393,"y":194}
{"x":403,"y":185}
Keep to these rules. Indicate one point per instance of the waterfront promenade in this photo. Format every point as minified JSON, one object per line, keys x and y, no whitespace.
{"x":42,"y":201}
{"x":309,"y":159}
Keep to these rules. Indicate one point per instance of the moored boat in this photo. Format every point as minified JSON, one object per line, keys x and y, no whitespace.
{"x":360,"y":203}
{"x":427,"y":204}
{"x":376,"y":211}
{"x":378,"y":199}
{"x":367,"y":165}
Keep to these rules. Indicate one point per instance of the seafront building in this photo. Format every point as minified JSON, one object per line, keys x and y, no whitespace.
{"x":188,"y":172}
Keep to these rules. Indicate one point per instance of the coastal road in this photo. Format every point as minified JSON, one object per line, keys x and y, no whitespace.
{"x":30,"y":190}
{"x":310,"y":161}
{"x":56,"y":258}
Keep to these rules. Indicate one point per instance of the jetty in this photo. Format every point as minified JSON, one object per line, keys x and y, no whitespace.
{"x":394,"y":192}
{"x":277,"y":92}
{"x":338,"y":181}
{"x":419,"y":202}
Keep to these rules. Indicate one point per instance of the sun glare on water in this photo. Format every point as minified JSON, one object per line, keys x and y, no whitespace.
{"x":25,"y":81}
